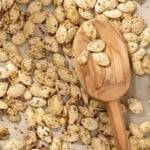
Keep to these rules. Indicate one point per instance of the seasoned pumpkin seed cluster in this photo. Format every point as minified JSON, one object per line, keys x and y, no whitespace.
{"x":43,"y":86}
{"x":96,"y":47}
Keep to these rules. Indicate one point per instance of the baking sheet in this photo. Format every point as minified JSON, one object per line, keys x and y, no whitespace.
{"x":140,"y":88}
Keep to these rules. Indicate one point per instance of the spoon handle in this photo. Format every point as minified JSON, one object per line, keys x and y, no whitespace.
{"x":118,"y":126}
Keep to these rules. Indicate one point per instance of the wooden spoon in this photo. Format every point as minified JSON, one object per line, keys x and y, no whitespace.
{"x":110,"y":83}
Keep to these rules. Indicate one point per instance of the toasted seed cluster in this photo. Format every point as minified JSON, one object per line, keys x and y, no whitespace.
{"x":43,"y":86}
{"x":96,"y":47}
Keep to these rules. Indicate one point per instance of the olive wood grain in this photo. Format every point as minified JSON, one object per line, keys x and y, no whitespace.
{"x":109,"y":83}
{"x":118,"y":126}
